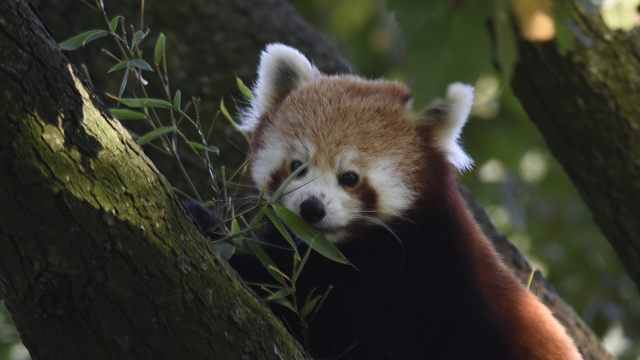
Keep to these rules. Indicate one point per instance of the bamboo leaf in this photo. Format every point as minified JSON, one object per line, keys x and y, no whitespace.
{"x":139,"y":63}
{"x":152,"y":135}
{"x":81,"y":39}
{"x":309,"y":234}
{"x":244,"y":89}
{"x":278,"y":224}
{"x":310,"y":306}
{"x":159,"y":49}
{"x":126,"y":114}
{"x":266,"y":262}
{"x":118,"y":66}
{"x":197,"y":146}
{"x":286,"y":182}
{"x":280,"y":294}
{"x":153,"y":103}
{"x":176,"y":100}
{"x":123,"y":85}
{"x":226,"y":250}
{"x":114,"y":23}
{"x":139,"y":35}
{"x":302,"y":264}
{"x":285,"y":303}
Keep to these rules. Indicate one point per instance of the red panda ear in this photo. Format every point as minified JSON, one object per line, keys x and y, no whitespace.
{"x":449,"y":116}
{"x":282,"y":69}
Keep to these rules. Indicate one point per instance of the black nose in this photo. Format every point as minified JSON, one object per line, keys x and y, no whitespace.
{"x":312,"y":210}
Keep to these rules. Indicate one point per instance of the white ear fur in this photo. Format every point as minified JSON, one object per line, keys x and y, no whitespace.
{"x":458,"y":105}
{"x":282,"y":69}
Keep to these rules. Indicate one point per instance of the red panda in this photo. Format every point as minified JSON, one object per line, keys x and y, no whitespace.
{"x":382,"y":185}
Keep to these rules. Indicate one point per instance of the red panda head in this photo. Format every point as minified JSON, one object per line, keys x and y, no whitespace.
{"x":370,"y":153}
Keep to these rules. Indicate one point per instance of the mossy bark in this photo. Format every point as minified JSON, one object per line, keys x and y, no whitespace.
{"x":97,"y":256}
{"x":209,"y":42}
{"x":586,"y":102}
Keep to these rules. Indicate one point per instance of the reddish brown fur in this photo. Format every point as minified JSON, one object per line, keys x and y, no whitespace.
{"x":330,"y":111}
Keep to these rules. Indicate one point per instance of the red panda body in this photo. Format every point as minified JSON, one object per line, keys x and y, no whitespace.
{"x":381,"y":185}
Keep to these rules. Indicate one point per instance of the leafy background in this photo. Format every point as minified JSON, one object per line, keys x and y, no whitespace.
{"x":428,"y":45}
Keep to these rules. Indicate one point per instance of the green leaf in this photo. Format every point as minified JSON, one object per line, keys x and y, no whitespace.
{"x":153,"y":103}
{"x":79,"y":40}
{"x":239,"y":233}
{"x":123,"y":85}
{"x":234,"y":229}
{"x":278,"y":224}
{"x":139,"y":63}
{"x":309,"y":234}
{"x":266,"y":262}
{"x":139,"y":35}
{"x":280,"y":294}
{"x":196,"y":145}
{"x":118,"y":66}
{"x":226,"y":250}
{"x":126,"y":114}
{"x":233,"y":123}
{"x":310,"y":306}
{"x":286,"y":182}
{"x":152,"y":135}
{"x":176,"y":100}
{"x":244,"y":90}
{"x":285,"y":303}
{"x":113,"y":23}
{"x":302,"y":264}
{"x":159,"y":50}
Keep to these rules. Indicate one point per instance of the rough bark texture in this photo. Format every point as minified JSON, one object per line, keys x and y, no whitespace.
{"x":71,"y":174}
{"x":586,"y":103}
{"x":97,"y":255}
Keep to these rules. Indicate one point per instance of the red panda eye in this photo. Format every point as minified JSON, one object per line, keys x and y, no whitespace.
{"x":349,"y":179}
{"x":295,"y":164}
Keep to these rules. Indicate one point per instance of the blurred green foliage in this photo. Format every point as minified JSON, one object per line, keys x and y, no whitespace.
{"x":523,"y":188}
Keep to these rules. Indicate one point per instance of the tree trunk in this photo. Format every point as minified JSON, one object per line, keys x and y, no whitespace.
{"x":110,"y":265}
{"x":586,"y":103}
{"x":97,"y":255}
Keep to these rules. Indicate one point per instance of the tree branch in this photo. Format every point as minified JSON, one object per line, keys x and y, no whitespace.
{"x":98,"y":256}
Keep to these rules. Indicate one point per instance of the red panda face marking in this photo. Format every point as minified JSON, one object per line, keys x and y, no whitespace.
{"x":367,"y":149}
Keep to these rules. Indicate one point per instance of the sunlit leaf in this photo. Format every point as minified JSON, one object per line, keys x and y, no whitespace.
{"x":153,"y":103}
{"x":126,"y":114}
{"x":79,"y":40}
{"x":243,"y":89}
{"x":309,"y":234}
{"x":152,"y":135}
